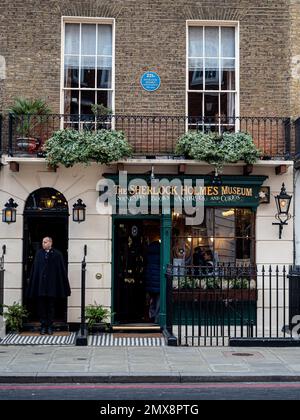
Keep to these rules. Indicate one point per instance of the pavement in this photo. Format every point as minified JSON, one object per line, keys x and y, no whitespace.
{"x":70,"y":364}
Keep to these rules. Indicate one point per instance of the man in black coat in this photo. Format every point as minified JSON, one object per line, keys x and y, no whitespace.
{"x":48,"y":282}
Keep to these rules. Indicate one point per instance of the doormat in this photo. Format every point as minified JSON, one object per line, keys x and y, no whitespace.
{"x":57,"y":339}
{"x":126,"y":340}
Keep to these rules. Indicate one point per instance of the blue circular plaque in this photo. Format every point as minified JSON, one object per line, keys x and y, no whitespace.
{"x":150,"y":81}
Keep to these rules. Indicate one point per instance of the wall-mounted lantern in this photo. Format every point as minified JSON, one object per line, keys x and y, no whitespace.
{"x":79,"y":211}
{"x":9,"y":213}
{"x":283,"y":204}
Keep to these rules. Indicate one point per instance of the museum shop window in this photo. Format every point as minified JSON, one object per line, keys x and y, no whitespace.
{"x":227,"y":236}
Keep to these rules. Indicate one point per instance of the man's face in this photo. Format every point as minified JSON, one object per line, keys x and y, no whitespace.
{"x":47,"y":244}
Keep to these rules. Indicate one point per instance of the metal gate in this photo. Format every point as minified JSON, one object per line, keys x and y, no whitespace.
{"x":215,"y":305}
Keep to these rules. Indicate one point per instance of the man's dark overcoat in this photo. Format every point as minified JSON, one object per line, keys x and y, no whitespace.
{"x":49,"y":276}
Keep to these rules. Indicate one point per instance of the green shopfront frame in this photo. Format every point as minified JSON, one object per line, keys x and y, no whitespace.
{"x":254,"y":182}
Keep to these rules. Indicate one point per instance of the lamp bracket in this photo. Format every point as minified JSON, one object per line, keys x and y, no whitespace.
{"x":281,"y":224}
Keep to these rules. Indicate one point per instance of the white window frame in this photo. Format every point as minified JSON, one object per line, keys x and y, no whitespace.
{"x":83,"y":20}
{"x":218,"y":23}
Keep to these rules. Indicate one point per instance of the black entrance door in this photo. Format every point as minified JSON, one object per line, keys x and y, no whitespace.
{"x":130,"y":245}
{"x":41,"y":220}
{"x":36,"y":228}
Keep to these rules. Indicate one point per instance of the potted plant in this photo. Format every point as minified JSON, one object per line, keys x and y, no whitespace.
{"x":102,"y":115}
{"x":99,"y":110}
{"x":14,"y":316}
{"x":29,"y":114}
{"x":243,"y":289}
{"x":96,"y":317}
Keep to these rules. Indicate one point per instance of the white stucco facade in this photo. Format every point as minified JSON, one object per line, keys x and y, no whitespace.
{"x":96,"y":231}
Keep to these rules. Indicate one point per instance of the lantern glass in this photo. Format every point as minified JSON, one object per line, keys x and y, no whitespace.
{"x":75,"y":215}
{"x":284,"y":205}
{"x":81,"y":215}
{"x":9,"y":215}
{"x":79,"y":212}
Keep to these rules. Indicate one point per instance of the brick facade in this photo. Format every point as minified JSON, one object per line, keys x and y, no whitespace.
{"x":151,"y":35}
{"x":295,"y":57}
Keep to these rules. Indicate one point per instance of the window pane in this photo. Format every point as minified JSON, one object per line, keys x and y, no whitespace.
{"x":182,"y":242}
{"x":87,"y":100}
{"x":88,"y":72}
{"x":196,"y":42}
{"x":196,"y":74}
{"x":104,"y":98}
{"x":195,"y":104}
{"x":104,"y":40}
{"x":211,"y":42}
{"x":228,"y":42}
{"x":88,"y":46}
{"x":228,"y":75}
{"x":228,"y":106}
{"x":244,"y":251}
{"x":245,"y":223}
{"x":72,"y":38}
{"x":212,"y":74}
{"x":211,"y":105}
{"x":71,"y":102}
{"x":225,"y":223}
{"x":225,"y":250}
{"x":71,"y":72}
{"x":104,"y":72}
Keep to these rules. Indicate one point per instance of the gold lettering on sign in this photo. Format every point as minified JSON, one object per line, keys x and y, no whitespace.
{"x":243,"y":192}
{"x":208,"y":191}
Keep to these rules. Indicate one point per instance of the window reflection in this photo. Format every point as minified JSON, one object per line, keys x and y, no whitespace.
{"x":212,"y":66}
{"x":226,"y":235}
{"x":87,"y":67}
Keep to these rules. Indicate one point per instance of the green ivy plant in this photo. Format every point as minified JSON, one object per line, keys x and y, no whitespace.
{"x":14,"y":316}
{"x":95,"y":314}
{"x":70,"y":147}
{"x":218,"y":150}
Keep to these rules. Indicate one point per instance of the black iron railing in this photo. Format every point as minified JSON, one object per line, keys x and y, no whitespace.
{"x":151,"y":136}
{"x":212,"y":305}
{"x":2,"y":271}
{"x":81,"y":339}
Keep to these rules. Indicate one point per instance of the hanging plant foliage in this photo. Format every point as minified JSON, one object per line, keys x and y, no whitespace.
{"x":70,"y":147}
{"x":218,"y":150}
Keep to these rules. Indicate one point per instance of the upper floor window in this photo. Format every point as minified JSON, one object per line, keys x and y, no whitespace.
{"x":212,"y":77}
{"x":88,"y":67}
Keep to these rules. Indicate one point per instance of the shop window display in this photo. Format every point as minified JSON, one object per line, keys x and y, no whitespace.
{"x":226,"y":236}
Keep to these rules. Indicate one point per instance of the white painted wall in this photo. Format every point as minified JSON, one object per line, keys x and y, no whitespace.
{"x":269,"y":249}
